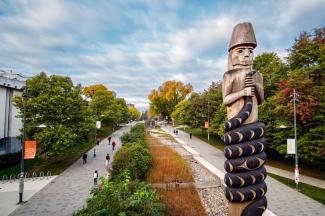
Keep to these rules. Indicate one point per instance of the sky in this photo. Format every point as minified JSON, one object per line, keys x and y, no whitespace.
{"x":133,"y":46}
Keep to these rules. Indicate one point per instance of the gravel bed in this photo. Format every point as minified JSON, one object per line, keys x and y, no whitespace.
{"x":214,"y":201}
{"x":182,"y":152}
{"x":200,"y":173}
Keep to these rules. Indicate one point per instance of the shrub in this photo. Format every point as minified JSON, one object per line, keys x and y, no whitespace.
{"x":134,"y":158}
{"x":123,"y":198}
{"x":137,"y":133}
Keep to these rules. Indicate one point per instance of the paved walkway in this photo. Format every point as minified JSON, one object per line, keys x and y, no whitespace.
{"x":9,"y":192}
{"x":282,"y":200}
{"x":69,"y":191}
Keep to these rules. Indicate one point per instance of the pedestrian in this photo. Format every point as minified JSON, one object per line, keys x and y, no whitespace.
{"x":97,"y":141}
{"x":107,"y":160}
{"x":113,"y":144}
{"x":176,"y":132}
{"x":190,"y":135}
{"x":94,"y":152}
{"x":84,"y":158}
{"x":95,"y":177}
{"x":109,"y":140}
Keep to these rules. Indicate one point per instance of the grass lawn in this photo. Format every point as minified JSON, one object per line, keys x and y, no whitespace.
{"x":57,"y":164}
{"x":315,"y":193}
{"x":306,"y":168}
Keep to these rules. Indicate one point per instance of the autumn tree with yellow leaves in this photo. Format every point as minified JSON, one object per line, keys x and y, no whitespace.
{"x":164,"y":99}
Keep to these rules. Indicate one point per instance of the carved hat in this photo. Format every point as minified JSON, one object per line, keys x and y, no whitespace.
{"x":243,"y":34}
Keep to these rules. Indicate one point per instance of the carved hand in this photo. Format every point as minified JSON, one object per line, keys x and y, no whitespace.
{"x":249,"y":91}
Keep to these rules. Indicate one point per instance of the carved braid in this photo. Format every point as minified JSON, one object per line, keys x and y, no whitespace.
{"x":245,"y":155}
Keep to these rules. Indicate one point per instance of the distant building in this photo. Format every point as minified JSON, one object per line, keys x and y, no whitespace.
{"x":130,"y":105}
{"x":11,"y":84}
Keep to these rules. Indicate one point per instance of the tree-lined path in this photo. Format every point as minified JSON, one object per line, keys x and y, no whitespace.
{"x":282,"y":200}
{"x":69,"y":191}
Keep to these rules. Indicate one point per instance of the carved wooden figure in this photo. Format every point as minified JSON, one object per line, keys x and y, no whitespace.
{"x":242,"y":93}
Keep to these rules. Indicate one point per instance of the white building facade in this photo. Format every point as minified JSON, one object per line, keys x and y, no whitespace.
{"x":11,"y":84}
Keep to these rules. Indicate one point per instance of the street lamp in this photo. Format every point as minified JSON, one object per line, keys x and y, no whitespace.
{"x":208,"y":120}
{"x":22,"y":163}
{"x":21,"y":180}
{"x":295,"y":137}
{"x":296,"y":143}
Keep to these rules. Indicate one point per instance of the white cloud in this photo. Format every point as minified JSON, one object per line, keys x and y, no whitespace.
{"x":134,"y":49}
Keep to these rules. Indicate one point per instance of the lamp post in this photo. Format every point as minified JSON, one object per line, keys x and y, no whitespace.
{"x":21,"y":180}
{"x":295,"y":137}
{"x":208,"y":120}
{"x":296,"y":143}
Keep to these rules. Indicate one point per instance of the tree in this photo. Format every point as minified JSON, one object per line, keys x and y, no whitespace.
{"x":182,"y":113}
{"x":55,"y":102}
{"x":134,"y":113}
{"x":304,"y":73}
{"x":273,"y":71}
{"x":104,"y":105}
{"x":164,"y":100}
{"x":89,"y":91}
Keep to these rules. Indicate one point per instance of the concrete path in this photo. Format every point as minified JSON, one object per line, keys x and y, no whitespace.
{"x":282,"y":200}
{"x":9,"y":192}
{"x":69,"y":191}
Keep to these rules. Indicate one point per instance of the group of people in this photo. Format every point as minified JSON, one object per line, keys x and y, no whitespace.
{"x":84,"y":157}
{"x":175,"y":132}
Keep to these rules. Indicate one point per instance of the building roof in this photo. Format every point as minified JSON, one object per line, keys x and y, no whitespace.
{"x":12,"y":80}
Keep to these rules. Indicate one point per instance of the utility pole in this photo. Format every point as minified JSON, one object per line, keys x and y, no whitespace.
{"x":96,"y":116}
{"x":22,"y":174}
{"x":296,"y":143}
{"x":208,"y":120}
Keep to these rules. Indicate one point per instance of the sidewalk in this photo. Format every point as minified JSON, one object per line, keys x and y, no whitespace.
{"x":9,"y":192}
{"x":69,"y":191}
{"x":282,"y":200}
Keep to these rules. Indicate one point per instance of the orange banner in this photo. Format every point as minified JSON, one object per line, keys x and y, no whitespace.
{"x":206,"y":125}
{"x":30,"y":149}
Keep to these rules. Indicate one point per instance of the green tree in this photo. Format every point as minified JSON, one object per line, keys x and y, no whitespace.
{"x":182,"y":113}
{"x":55,"y":102}
{"x":273,"y":71}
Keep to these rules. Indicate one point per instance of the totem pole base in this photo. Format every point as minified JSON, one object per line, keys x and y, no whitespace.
{"x":235,"y":209}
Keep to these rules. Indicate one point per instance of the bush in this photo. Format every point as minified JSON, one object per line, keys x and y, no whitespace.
{"x":137,"y":133}
{"x":123,"y":198}
{"x":135,"y":158}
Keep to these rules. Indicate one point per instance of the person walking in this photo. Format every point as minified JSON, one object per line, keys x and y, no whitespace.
{"x":94,"y":152}
{"x":176,"y":132}
{"x":107,"y":160}
{"x":95,"y":177}
{"x":113,"y":145}
{"x":84,"y":158}
{"x":190,"y":135}
{"x":97,"y":141}
{"x":109,"y":140}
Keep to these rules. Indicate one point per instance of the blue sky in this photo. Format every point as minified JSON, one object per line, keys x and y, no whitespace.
{"x":133,"y":46}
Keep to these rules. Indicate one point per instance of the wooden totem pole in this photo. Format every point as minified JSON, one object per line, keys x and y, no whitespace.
{"x":244,"y":143}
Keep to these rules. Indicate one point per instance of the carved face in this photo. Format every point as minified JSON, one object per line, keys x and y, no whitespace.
{"x":242,"y":56}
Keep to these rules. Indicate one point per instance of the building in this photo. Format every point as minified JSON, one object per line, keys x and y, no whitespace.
{"x":11,"y":84}
{"x":130,"y":105}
